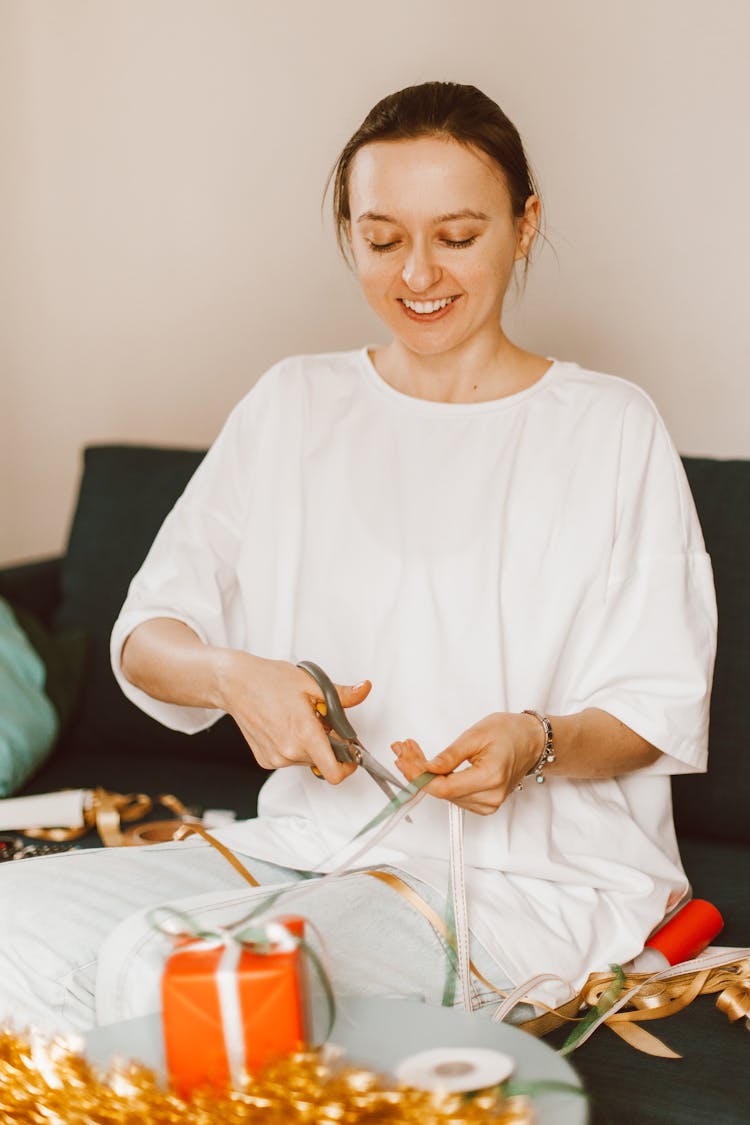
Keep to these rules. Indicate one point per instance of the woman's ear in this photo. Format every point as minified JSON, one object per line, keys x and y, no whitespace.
{"x":528,"y":225}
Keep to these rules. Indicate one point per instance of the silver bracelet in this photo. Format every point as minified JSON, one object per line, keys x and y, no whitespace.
{"x":548,"y":752}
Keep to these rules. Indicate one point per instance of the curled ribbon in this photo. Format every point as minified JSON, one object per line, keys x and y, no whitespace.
{"x":734,"y":1000}
{"x":642,"y":997}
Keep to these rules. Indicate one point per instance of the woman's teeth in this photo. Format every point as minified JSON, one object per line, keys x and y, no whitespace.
{"x":428,"y":306}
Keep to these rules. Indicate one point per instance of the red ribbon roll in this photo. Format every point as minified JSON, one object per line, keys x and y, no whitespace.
{"x":688,"y":933}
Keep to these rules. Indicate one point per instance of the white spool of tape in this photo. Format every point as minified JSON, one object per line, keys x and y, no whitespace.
{"x":455,"y":1069}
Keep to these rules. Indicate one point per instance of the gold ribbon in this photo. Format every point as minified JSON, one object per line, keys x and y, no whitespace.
{"x":105,"y":812}
{"x":188,"y":829}
{"x":648,"y":999}
{"x":161,"y":831}
{"x":734,"y":1001}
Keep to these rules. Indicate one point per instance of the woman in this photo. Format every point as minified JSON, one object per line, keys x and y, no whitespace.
{"x":495,"y":555}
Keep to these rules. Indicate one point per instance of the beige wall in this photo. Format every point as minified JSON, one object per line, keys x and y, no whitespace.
{"x":160,"y":230}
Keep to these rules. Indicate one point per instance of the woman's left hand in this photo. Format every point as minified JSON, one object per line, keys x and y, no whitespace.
{"x":500,"y":750}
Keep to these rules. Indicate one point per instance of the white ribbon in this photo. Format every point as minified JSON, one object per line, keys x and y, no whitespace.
{"x":228,"y":988}
{"x":460,"y":912}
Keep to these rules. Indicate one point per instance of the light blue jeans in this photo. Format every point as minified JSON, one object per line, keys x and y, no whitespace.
{"x":77,"y":945}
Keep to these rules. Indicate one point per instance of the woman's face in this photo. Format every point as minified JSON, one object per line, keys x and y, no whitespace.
{"x":434,"y":239}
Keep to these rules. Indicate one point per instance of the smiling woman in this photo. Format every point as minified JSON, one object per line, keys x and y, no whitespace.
{"x":515,"y":597}
{"x":434,"y":241}
{"x":434,"y":197}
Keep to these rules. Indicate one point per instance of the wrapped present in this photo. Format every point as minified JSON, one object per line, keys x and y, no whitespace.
{"x":230,"y":1005}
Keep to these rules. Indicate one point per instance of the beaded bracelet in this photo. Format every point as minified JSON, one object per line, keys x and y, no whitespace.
{"x":548,"y":751}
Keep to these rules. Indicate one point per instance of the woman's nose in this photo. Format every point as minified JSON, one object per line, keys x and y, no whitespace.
{"x":420,"y":270}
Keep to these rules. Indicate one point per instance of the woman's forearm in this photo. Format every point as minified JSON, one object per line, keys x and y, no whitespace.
{"x":594,"y":744}
{"x":167,"y":660}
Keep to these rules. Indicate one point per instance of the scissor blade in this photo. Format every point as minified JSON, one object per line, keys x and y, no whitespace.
{"x":378,"y":771}
{"x":382,"y":777}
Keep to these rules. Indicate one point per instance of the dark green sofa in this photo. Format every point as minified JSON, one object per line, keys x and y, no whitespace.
{"x":125,"y":493}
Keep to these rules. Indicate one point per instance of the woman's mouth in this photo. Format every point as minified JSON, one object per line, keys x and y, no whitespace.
{"x":427,"y":310}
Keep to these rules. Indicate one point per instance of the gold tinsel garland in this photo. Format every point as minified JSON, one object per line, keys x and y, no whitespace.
{"x":48,"y":1082}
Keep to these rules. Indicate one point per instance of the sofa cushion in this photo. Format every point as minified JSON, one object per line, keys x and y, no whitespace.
{"x":717,"y":806}
{"x":28,"y":720}
{"x":63,"y":654}
{"x":125,"y":494}
{"x":720,"y":872}
{"x":34,"y":586}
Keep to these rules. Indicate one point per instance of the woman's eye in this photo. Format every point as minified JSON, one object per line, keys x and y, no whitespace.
{"x":381,"y":247}
{"x":453,"y":243}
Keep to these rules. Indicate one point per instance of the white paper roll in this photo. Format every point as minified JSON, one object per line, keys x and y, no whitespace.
{"x":44,"y":810}
{"x":455,"y":1069}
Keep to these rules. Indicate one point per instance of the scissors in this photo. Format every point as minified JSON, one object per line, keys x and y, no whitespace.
{"x":342,"y":735}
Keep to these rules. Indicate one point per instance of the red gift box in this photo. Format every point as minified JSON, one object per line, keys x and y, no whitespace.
{"x":231,"y":1006}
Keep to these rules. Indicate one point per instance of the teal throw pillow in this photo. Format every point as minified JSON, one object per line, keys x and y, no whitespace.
{"x":29,"y":722}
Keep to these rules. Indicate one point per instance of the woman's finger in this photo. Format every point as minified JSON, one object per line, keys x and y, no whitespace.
{"x":409,"y":758}
{"x":352,"y":694}
{"x":449,"y":759}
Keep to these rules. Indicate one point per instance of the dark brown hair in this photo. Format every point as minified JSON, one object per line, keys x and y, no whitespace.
{"x":439,"y":109}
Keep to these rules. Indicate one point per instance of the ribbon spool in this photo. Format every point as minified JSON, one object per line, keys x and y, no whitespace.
{"x":153,"y":832}
{"x":688,"y":932}
{"x":455,"y":1070}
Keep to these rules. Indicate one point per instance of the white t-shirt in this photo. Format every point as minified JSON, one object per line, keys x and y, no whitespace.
{"x":538,"y":551}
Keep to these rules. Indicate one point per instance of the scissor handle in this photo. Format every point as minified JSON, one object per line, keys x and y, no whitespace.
{"x":335,"y":714}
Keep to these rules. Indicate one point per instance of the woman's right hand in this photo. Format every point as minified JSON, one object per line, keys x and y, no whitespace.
{"x":273,"y":703}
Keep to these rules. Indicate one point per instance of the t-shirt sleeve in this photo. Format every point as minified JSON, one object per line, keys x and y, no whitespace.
{"x":190,"y":571}
{"x":653,"y":641}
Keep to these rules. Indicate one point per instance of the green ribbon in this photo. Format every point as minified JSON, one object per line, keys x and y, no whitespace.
{"x":396,"y":803}
{"x":610,"y":995}
{"x":451,"y":949}
{"x":532,"y":1087}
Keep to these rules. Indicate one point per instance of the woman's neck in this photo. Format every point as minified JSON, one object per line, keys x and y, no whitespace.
{"x":479,"y":371}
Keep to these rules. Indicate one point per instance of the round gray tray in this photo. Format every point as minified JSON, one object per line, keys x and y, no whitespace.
{"x":378,"y":1033}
